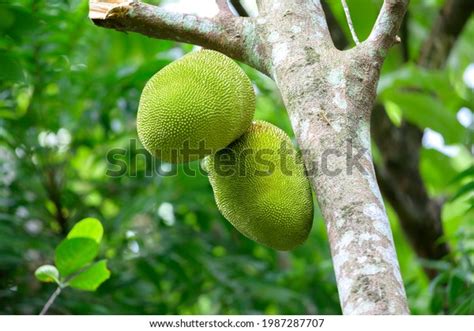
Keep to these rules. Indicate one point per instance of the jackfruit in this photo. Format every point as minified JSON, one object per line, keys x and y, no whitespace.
{"x":261,"y":188}
{"x":194,"y":107}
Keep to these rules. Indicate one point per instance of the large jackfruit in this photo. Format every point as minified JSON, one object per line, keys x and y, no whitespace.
{"x":260,"y":187}
{"x":195,"y":106}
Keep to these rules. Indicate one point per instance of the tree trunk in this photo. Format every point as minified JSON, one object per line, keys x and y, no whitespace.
{"x":330,"y":102}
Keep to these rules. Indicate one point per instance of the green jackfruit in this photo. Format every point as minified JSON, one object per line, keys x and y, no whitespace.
{"x":194,"y":107}
{"x":260,"y":186}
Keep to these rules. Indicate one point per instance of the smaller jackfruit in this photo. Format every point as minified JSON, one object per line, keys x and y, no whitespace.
{"x":195,"y":106}
{"x":261,"y":188}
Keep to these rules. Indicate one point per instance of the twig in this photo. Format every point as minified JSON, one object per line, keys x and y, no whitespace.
{"x":349,"y":22}
{"x":50,"y":301}
{"x":239,"y":8}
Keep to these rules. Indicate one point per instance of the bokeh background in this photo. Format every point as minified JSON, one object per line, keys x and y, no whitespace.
{"x":68,"y":96}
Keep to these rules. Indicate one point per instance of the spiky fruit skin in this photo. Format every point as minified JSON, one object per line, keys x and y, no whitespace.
{"x":195,"y":106}
{"x":271,"y":205}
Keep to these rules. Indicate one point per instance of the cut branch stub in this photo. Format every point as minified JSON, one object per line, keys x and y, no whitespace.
{"x":101,"y":9}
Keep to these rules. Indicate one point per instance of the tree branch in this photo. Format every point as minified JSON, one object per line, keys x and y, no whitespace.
{"x":448,"y":26}
{"x":399,"y":175}
{"x":227,"y":34}
{"x":384,"y":33}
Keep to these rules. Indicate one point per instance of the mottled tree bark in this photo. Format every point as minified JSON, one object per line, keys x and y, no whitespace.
{"x":329,"y":95}
{"x":398,"y":175}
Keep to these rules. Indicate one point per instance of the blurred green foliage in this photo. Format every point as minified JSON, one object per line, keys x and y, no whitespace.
{"x":68,"y":96}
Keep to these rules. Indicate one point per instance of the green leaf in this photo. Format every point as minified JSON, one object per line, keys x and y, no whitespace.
{"x":466,"y":307}
{"x":469,"y":172}
{"x":416,"y":78}
{"x":471,"y":208}
{"x":394,"y":113}
{"x":427,"y":111}
{"x":436,"y":170}
{"x":11,"y":69}
{"x":20,"y":22}
{"x":87,"y":228}
{"x":47,"y":273}
{"x":455,"y":289}
{"x":91,"y":278}
{"x":74,"y":254}
{"x":7,"y":18}
{"x":469,"y":187}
